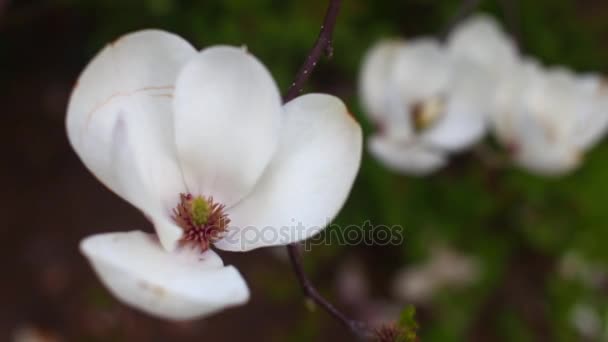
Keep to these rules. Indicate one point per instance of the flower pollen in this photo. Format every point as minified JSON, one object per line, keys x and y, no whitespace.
{"x":203,"y":220}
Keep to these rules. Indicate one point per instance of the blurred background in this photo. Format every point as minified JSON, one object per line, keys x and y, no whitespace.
{"x":489,"y":254}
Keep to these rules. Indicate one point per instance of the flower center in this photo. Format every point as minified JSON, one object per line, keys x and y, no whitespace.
{"x":202,"y":220}
{"x":425,"y":113}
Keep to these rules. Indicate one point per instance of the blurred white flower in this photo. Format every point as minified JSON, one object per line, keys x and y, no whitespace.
{"x":201,"y":144}
{"x":548,"y":118}
{"x":586,"y":320}
{"x":445,"y":268}
{"x":425,"y":103}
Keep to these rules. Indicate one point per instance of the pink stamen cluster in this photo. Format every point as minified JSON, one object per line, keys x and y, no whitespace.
{"x":201,"y":234}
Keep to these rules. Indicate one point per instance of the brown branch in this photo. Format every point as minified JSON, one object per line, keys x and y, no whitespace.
{"x":358,"y":328}
{"x":323,"y":46}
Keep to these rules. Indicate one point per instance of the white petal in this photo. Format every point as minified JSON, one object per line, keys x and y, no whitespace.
{"x":469,"y":100}
{"x":422,"y":70}
{"x":306,"y":183}
{"x":376,"y":73}
{"x":397,"y":120}
{"x":120,"y":122}
{"x":481,"y":40}
{"x":592,"y":111}
{"x":549,"y":161}
{"x":461,"y":127}
{"x":406,"y":157}
{"x":139,"y":67}
{"x":180,"y":285}
{"x":539,"y":145}
{"x":146,"y":174}
{"x":228,"y":112}
{"x":510,"y":99}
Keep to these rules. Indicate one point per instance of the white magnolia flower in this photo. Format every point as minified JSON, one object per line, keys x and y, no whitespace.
{"x":548,"y":118}
{"x":425,"y":103}
{"x":445,"y":268}
{"x":201,"y":144}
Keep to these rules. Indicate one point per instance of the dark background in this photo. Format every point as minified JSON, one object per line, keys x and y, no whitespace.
{"x":517,"y":226}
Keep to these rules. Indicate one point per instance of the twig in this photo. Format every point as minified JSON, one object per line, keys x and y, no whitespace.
{"x":358,"y":328}
{"x":322,"y":46}
{"x":465,"y":9}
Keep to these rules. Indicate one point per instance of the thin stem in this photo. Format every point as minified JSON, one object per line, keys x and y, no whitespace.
{"x":323,"y":46}
{"x":358,"y":328}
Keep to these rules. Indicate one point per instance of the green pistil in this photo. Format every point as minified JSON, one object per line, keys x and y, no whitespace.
{"x":200,"y":211}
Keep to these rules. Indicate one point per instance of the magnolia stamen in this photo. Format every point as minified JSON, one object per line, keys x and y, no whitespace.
{"x":425,"y":113}
{"x":203,"y":220}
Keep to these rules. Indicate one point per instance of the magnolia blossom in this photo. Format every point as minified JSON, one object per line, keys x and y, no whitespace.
{"x":200,"y":142}
{"x":425,"y":103}
{"x":548,"y":118}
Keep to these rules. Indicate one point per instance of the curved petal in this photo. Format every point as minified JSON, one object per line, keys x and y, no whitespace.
{"x":306,"y":183}
{"x":375,"y":78}
{"x":409,"y":158}
{"x":461,"y":127}
{"x":145,"y":174}
{"x":592,"y":111}
{"x":421,"y":70}
{"x":227,"y":118}
{"x":550,"y":160}
{"x":483,"y":41}
{"x":119,"y":121}
{"x":138,"y":67}
{"x":469,"y":99}
{"x":509,"y":103}
{"x":539,"y":145}
{"x":180,"y":285}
